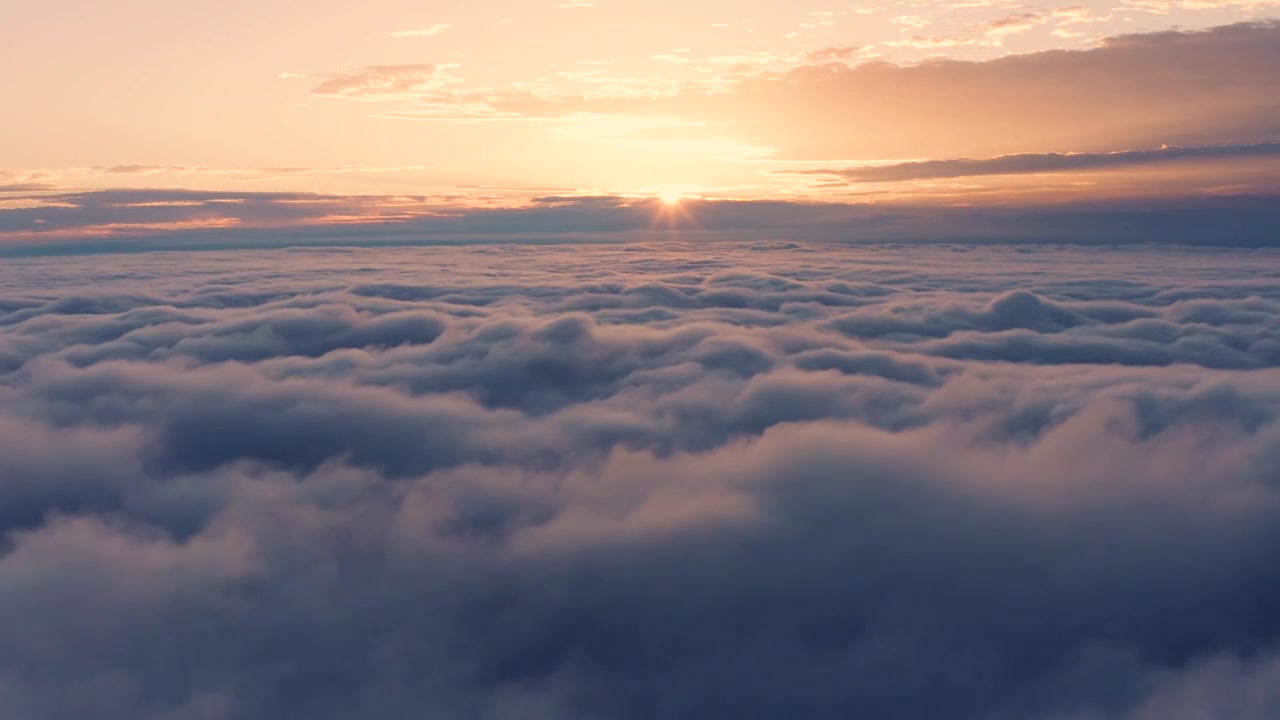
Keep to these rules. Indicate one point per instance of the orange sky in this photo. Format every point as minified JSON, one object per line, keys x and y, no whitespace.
{"x":466,"y":104}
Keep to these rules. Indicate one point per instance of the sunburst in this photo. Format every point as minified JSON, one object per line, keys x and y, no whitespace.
{"x":673,"y":209}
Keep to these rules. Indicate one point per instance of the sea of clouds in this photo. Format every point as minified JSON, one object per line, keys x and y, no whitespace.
{"x":641,"y":481}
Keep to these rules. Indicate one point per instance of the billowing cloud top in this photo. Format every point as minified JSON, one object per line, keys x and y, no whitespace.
{"x":750,"y":480}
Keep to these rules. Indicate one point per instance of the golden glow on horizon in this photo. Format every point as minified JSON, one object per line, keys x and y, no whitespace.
{"x":672,"y":212}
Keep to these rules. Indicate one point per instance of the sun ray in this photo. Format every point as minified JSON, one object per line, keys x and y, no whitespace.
{"x":672,"y":210}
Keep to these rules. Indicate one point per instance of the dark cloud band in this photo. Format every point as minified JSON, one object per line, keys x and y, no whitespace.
{"x":1030,"y":163}
{"x":685,"y":481}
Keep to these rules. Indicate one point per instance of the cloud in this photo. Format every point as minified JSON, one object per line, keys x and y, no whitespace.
{"x":144,"y":169}
{"x":996,"y":30}
{"x":833,"y":53}
{"x":683,"y":480}
{"x":1165,"y":6}
{"x":1206,"y":87}
{"x":26,"y":187}
{"x":135,"y":220}
{"x":422,"y":32}
{"x":386,"y":82}
{"x":1076,"y":14}
{"x":1027,"y":163}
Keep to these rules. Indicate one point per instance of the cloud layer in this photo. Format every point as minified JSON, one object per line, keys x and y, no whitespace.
{"x":1032,"y":163}
{"x":138,"y":220}
{"x":685,"y":481}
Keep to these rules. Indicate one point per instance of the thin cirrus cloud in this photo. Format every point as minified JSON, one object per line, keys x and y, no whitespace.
{"x":422,"y":32}
{"x":991,"y":33}
{"x":26,"y":187}
{"x":386,"y":82}
{"x":833,"y":53}
{"x":1031,"y":163}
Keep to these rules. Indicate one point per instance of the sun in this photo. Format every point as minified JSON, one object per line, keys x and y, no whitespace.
{"x":673,"y":209}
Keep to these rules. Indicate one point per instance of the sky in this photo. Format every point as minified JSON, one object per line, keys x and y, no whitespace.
{"x":330,"y":114}
{"x":620,"y":360}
